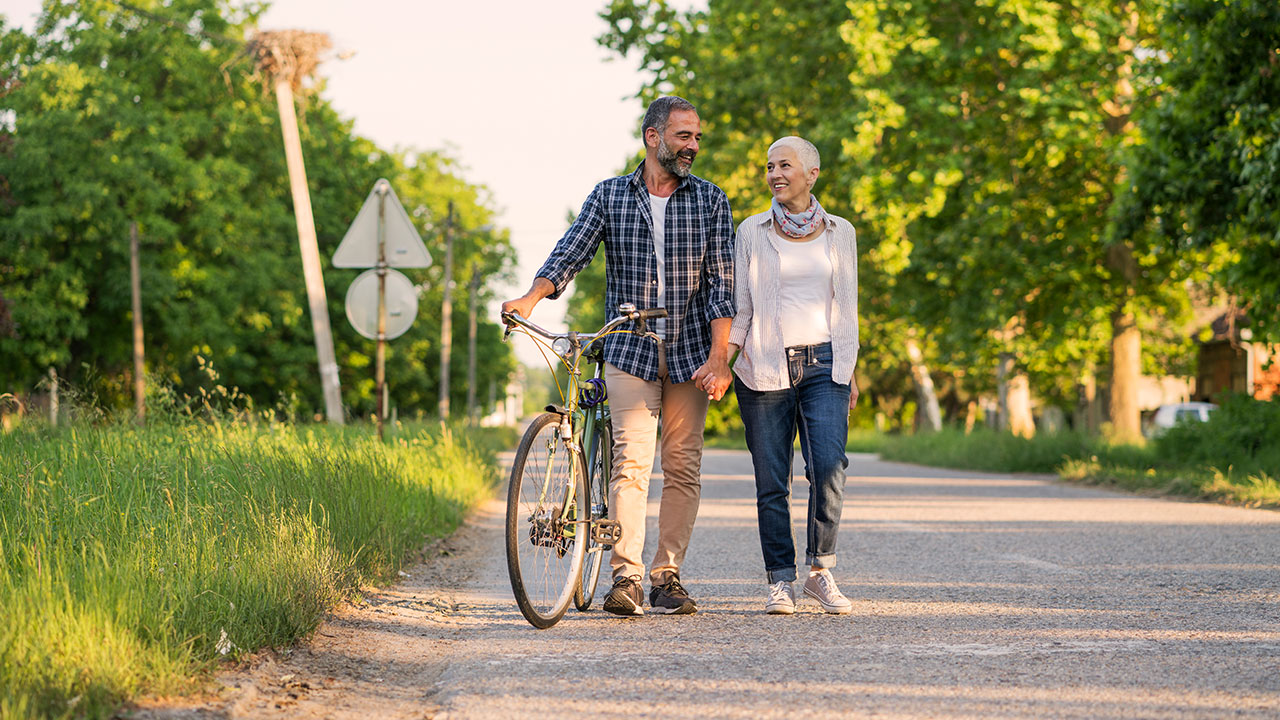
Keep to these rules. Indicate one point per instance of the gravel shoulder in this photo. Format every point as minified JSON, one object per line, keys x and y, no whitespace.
{"x":975,"y":595}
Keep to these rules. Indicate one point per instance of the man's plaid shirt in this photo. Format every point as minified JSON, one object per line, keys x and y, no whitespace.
{"x":699,"y":266}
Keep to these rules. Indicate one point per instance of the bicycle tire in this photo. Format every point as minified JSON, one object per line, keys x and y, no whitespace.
{"x":544,"y":557}
{"x":599,"y":466}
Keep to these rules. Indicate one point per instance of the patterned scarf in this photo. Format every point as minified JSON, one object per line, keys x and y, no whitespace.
{"x":799,"y":224}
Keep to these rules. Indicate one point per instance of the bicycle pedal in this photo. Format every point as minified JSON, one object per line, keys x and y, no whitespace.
{"x":606,"y":532}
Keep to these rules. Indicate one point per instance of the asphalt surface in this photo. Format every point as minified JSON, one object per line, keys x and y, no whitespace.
{"x":975,"y":595}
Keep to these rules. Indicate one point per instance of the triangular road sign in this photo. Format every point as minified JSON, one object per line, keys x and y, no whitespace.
{"x":359,"y":247}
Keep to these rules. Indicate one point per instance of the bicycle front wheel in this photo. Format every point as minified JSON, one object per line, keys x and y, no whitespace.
{"x":546,"y":532}
{"x":599,"y":467}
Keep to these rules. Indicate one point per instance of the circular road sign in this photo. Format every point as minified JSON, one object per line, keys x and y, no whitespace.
{"x":362,"y":304}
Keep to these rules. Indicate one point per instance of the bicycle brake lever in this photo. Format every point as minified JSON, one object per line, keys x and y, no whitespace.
{"x":652,"y":336}
{"x":507,"y":325}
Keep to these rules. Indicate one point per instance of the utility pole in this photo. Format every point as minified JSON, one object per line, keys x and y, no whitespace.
{"x":446,"y":316}
{"x":471,"y":346}
{"x":135,"y":280}
{"x":53,"y":398}
{"x":285,"y":58}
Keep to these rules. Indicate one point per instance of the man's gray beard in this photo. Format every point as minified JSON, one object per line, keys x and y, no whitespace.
{"x":667,"y":160}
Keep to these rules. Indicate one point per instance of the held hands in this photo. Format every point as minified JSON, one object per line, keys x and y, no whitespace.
{"x":713,"y":378}
{"x":853,"y":393}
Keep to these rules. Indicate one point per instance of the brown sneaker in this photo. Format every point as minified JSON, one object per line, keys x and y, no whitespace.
{"x":626,"y":598}
{"x":670,"y":598}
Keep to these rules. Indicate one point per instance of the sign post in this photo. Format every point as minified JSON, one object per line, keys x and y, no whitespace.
{"x":381,"y":236}
{"x":380,"y":371}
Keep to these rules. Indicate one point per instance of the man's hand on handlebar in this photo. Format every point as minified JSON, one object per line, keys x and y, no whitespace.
{"x":522,"y":306}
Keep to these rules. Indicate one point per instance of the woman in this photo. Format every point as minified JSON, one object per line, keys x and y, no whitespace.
{"x":796,"y":287}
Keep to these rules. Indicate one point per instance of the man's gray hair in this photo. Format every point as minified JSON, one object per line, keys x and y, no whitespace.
{"x":659,"y":113}
{"x":805,"y":150}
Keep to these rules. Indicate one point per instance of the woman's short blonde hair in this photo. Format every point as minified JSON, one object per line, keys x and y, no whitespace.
{"x":805,"y":150}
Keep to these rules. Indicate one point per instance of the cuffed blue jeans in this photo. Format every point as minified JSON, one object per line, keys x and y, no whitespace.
{"x":818,"y":408}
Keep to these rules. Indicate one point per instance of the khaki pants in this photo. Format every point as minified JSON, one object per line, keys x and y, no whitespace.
{"x":636,"y":405}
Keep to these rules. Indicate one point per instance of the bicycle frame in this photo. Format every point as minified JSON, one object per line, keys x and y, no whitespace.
{"x":572,"y":347}
{"x":550,"y":514}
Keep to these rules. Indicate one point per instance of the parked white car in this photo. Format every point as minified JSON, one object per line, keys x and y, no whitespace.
{"x":1169,"y":415}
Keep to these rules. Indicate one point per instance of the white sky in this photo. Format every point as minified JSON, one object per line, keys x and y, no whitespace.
{"x":517,"y":90}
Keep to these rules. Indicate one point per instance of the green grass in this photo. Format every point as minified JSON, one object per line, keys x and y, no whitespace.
{"x":131,"y":560}
{"x":1230,"y":486}
{"x":1189,"y":463}
{"x":987,"y":450}
{"x":1233,"y":458}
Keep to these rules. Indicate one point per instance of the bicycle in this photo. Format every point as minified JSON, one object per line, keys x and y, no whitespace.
{"x":557,"y":525}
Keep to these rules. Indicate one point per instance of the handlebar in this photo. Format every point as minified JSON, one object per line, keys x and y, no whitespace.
{"x":627,"y":313}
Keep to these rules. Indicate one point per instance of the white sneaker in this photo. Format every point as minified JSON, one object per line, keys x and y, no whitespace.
{"x":782,"y":599}
{"x":822,"y":587}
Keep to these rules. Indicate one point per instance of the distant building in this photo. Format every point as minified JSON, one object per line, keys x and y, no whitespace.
{"x":1230,"y":362}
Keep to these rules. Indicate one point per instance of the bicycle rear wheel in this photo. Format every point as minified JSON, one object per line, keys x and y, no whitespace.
{"x":546,"y":540}
{"x":599,"y":467}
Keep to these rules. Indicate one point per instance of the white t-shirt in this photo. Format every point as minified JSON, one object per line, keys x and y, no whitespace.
{"x":658,"y":207}
{"x":805,"y":304}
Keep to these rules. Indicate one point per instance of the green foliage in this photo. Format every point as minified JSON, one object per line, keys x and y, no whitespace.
{"x":976,"y":146}
{"x":115,"y":117}
{"x":724,"y":419}
{"x":1240,"y":435}
{"x":131,"y":559}
{"x":1207,"y":177}
{"x":726,"y":60}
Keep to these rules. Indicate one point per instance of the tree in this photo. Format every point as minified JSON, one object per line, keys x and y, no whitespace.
{"x":153,"y":116}
{"x":727,"y":61}
{"x":1206,"y":179}
{"x":976,"y":146}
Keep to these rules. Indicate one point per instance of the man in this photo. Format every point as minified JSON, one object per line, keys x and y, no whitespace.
{"x":668,"y":241}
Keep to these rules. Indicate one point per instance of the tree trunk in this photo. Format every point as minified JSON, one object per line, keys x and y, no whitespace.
{"x":1004,"y":367}
{"x":1014,"y":391}
{"x":928,"y":416}
{"x":1126,"y":343}
{"x":1088,"y":414}
{"x":1126,"y":359}
{"x":1020,"y":421}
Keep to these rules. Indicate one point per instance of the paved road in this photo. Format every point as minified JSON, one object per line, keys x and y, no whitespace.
{"x":975,"y":595}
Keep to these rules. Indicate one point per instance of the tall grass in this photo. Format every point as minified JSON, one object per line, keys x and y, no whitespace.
{"x":130,"y":559}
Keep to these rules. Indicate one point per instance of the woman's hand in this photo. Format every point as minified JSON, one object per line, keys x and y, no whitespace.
{"x":853,"y":393}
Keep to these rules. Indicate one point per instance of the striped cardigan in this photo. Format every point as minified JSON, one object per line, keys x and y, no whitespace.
{"x":757,"y":326}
